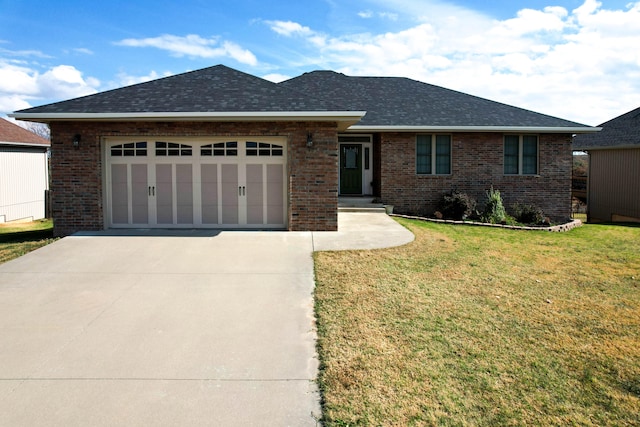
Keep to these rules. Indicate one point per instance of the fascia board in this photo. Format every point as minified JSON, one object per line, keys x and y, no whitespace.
{"x":353,"y":116}
{"x":505,"y":129}
{"x":25,"y":144}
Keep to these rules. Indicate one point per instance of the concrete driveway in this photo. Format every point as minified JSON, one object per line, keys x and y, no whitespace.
{"x":191,"y":328}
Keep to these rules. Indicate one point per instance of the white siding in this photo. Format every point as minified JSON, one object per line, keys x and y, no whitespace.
{"x":23,"y":181}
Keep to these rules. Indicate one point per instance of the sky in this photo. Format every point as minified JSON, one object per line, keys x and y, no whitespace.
{"x":574,"y":59}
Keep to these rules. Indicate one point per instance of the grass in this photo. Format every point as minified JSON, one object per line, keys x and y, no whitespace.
{"x":17,"y":239}
{"x":473,"y":326}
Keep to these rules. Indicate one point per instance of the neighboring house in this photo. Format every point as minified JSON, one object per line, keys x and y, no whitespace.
{"x":224,"y":149}
{"x":24,"y":173}
{"x":613,"y":190}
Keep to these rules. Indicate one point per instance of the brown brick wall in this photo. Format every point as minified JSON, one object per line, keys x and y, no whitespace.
{"x":477,"y":164}
{"x":77,"y":174}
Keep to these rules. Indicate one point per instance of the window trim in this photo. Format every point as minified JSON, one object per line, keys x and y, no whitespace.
{"x":521,"y":138}
{"x":434,"y":157}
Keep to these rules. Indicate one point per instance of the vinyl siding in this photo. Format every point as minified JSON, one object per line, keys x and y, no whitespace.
{"x":23,"y":181}
{"x":614,"y":184}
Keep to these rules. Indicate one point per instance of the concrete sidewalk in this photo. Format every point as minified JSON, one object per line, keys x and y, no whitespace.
{"x":191,"y":328}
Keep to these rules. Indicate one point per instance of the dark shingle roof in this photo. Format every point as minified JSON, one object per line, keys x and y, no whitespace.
{"x":395,"y":101}
{"x":620,"y":132}
{"x":214,"y":89}
{"x":13,"y":134}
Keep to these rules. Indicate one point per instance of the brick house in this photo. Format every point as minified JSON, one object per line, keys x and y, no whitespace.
{"x":219,"y":148}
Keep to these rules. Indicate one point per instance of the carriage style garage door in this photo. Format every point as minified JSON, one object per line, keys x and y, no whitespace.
{"x":204,"y":183}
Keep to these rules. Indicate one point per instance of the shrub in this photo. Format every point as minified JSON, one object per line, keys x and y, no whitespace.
{"x":528,"y":214}
{"x":456,"y":205}
{"x":494,"y":211}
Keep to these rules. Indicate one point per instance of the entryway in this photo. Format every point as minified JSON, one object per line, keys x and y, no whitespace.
{"x":356,"y":161}
{"x":201,"y":183}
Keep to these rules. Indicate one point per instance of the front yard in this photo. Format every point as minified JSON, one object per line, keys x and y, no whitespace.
{"x":17,"y":239}
{"x":475,"y":326}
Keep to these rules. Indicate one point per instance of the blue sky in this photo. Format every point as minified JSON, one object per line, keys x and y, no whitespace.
{"x":575,"y":59}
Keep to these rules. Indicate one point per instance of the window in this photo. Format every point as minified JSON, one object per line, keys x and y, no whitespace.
{"x":520,"y":155}
{"x":263,"y":149}
{"x":172,"y":149}
{"x":433,"y":154}
{"x":129,"y":149}
{"x":220,"y":149}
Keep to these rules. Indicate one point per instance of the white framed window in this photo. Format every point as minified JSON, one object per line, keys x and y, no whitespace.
{"x":433,"y":154}
{"x":520,"y":154}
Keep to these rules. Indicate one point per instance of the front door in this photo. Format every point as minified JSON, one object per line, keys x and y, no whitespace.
{"x":351,"y":169}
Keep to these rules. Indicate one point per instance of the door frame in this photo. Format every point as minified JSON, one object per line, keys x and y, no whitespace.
{"x":196,"y":161}
{"x":366,"y":143}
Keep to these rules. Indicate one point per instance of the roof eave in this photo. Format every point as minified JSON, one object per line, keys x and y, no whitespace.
{"x":343,"y":118}
{"x":610,"y":147}
{"x":507,"y":129}
{"x":25,"y":144}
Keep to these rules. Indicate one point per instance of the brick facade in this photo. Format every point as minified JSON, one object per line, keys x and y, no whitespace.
{"x":77,"y":174}
{"x":477,"y":164}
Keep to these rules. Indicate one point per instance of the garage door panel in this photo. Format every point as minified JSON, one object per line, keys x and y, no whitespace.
{"x":139,"y":194}
{"x":209,"y":193}
{"x":120,"y":200}
{"x":275,"y":194}
{"x":230,"y":194}
{"x":184,"y":193}
{"x":255,"y":196}
{"x":164,"y":194}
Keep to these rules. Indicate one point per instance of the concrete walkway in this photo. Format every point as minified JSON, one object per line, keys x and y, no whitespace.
{"x":186,"y":328}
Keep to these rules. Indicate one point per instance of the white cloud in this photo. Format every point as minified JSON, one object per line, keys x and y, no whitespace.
{"x":83,"y":50}
{"x":20,"y":85}
{"x":583,"y":65}
{"x":289,"y":29}
{"x":365,"y":14}
{"x":194,"y":45}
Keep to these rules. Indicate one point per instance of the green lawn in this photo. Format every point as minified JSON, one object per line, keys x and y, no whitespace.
{"x":17,"y":239}
{"x":477,"y":326}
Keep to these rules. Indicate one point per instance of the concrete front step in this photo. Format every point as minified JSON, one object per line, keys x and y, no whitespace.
{"x":363,"y":208}
{"x":359,"y":204}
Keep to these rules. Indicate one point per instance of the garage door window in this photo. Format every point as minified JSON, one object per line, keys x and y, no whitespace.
{"x":130,"y":149}
{"x":220,"y":149}
{"x":172,"y":149}
{"x":263,"y":149}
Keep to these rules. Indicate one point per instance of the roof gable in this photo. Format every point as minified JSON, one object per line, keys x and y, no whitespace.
{"x":396,"y":101}
{"x":620,"y":132}
{"x":11,"y":133}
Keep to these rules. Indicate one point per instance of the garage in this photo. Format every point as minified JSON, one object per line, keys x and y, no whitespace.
{"x":217,"y":182}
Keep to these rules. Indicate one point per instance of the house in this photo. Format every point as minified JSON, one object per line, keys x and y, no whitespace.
{"x":24,"y":173}
{"x":613,"y":190}
{"x":220,"y":148}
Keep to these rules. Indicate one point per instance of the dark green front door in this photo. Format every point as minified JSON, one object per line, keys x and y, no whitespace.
{"x":350,"y":169}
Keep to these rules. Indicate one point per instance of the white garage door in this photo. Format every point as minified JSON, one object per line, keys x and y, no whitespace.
{"x":204,"y":183}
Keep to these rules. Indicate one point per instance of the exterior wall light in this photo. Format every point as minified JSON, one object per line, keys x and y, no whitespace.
{"x":76,"y":141}
{"x":309,"y":139}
